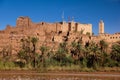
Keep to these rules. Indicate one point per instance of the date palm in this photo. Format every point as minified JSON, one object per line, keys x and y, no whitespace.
{"x":94,"y":57}
{"x":44,"y":50}
{"x":34,"y":40}
{"x":115,"y":53}
{"x":103,"y":46}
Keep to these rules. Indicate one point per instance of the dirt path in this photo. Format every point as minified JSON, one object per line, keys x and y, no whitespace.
{"x":84,"y":74}
{"x":34,"y":75}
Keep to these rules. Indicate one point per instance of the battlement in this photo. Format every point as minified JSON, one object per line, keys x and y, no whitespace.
{"x":23,"y":22}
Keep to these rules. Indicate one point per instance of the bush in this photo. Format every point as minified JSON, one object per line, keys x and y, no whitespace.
{"x":1,"y":65}
{"x":7,"y":65}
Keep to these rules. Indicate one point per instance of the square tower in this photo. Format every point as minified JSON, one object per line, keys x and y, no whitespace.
{"x":101,"y":27}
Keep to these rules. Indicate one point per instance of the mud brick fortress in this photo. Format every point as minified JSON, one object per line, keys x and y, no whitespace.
{"x":51,"y":34}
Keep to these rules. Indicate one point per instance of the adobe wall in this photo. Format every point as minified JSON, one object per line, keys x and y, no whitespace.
{"x":72,"y":26}
{"x":85,"y":27}
{"x":111,"y":37}
{"x":51,"y":27}
{"x":64,"y":27}
{"x":23,"y":22}
{"x":58,"y":38}
{"x":76,"y":27}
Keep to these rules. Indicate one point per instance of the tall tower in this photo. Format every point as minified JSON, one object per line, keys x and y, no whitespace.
{"x":101,"y":27}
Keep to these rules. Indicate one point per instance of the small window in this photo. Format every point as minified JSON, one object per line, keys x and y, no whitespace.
{"x":116,"y":37}
{"x":110,"y":37}
{"x":113,"y":37}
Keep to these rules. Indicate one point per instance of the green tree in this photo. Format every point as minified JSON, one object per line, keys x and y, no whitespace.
{"x":34,"y":41}
{"x":94,"y":56}
{"x":103,"y":46}
{"x":115,"y":53}
{"x":77,"y":52}
{"x":44,"y":52}
{"x":22,"y":59}
{"x":61,"y":54}
{"x":27,"y":48}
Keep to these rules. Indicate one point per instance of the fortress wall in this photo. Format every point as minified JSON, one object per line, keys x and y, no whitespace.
{"x":58,"y":39}
{"x":23,"y":22}
{"x":65,"y":27}
{"x":49,"y":28}
{"x":96,"y":39}
{"x":58,"y":27}
{"x":110,"y":37}
{"x":113,"y":38}
{"x":85,"y":27}
{"x":85,"y":39}
{"x":80,"y":27}
{"x":73,"y":26}
{"x":88,"y":28}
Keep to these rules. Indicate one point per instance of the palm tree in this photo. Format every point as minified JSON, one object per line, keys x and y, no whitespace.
{"x":60,"y":55}
{"x":29,"y":47}
{"x":22,"y":58}
{"x":94,"y":56}
{"x":63,"y":45}
{"x":73,"y":49}
{"x":115,"y":53}
{"x":80,"y":51}
{"x":103,"y":46}
{"x":77,"y":52}
{"x":34,"y":40}
{"x":44,"y":50}
{"x":26,"y":47}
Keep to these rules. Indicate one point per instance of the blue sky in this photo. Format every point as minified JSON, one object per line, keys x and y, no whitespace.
{"x":83,"y":11}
